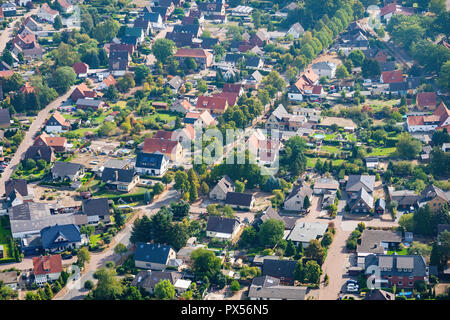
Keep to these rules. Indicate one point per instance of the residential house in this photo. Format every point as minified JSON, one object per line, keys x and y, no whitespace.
{"x":40,"y":152}
{"x":402,"y":271}
{"x":240,"y":200}
{"x":195,"y":29}
{"x":356,"y":182}
{"x":181,"y":39}
{"x":392,"y":8}
{"x":391,"y":76}
{"x":253,"y":80}
{"x":81,"y":69}
{"x":215,"y":105}
{"x":155,"y":19}
{"x":325,"y":185}
{"x":67,"y":170}
{"x":304,"y":232}
{"x":58,"y":144}
{"x":148,"y":279}
{"x":9,"y":9}
{"x":325,"y":69}
{"x":9,"y":278}
{"x":283,"y":12}
{"x":271,"y":213}
{"x":47,"y":268}
{"x":296,"y":30}
{"x":221,"y":189}
{"x":254,"y":63}
{"x":260,"y":38}
{"x":106,"y":83}
{"x":362,"y":202}
{"x":380,"y":206}
{"x":377,"y":242}
{"x":280,"y":269}
{"x":434,"y":197}
{"x":17,"y":192}
{"x":143,"y":24}
{"x":199,"y":119}
{"x":82,"y":91}
{"x":203,"y":58}
{"x":406,"y":199}
{"x":61,"y":238}
{"x":379,"y":294}
{"x":183,"y":106}
{"x":423,"y":123}
{"x":120,"y":179}
{"x":154,"y":256}
{"x":307,"y":79}
{"x":212,"y":10}
{"x":371,"y":162}
{"x":295,"y":200}
{"x":96,"y":210}
{"x":426,"y":101}
{"x":47,"y":14}
{"x":118,"y":62}
{"x":269,"y":288}
{"x":222,"y":228}
{"x":153,"y":164}
{"x":170,"y":148}
{"x":175,"y":84}
{"x":31,"y":24}
{"x":57,"y":123}
{"x":93,"y":104}
{"x":65,"y":6}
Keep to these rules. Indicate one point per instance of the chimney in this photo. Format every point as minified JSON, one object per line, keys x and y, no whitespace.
{"x":116,"y":175}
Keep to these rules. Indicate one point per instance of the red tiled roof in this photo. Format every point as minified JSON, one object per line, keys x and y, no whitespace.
{"x":231,"y":97}
{"x":27,"y":88}
{"x":49,"y":10}
{"x":163,"y":134}
{"x":6,"y":73}
{"x":317,"y":90}
{"x":211,"y":103}
{"x":193,"y":53}
{"x":47,"y":264}
{"x":58,"y":117}
{"x":80,"y":67}
{"x":189,"y":129}
{"x":110,"y":81}
{"x":426,"y":99}
{"x":64,"y":4}
{"x":232,"y":87}
{"x":388,"y":9}
{"x":442,"y":112}
{"x":415,"y":120}
{"x":392,"y":76}
{"x":152,"y":145}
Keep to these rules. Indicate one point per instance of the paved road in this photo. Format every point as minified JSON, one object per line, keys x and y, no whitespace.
{"x":28,"y":140}
{"x":75,"y":288}
{"x":7,"y":33}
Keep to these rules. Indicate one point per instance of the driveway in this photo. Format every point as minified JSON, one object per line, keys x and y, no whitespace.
{"x":8,"y":32}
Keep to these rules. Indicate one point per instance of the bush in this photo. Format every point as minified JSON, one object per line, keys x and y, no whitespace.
{"x":88,"y":285}
{"x":235,"y":286}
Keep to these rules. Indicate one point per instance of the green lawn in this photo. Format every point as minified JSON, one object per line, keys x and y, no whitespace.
{"x":93,"y":239}
{"x":331,"y":149}
{"x":82,"y":131}
{"x":161,"y":116}
{"x":4,"y":234}
{"x":381,"y":151}
{"x":403,"y":252}
{"x":311,"y":162}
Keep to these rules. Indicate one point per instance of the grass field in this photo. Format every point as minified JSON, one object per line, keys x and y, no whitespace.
{"x":93,"y":239}
{"x":161,"y":116}
{"x":331,"y":149}
{"x":4,"y":234}
{"x":311,"y":162}
{"x":403,"y":252}
{"x":382,"y":151}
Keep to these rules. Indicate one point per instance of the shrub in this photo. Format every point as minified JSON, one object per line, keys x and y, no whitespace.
{"x":88,"y":285}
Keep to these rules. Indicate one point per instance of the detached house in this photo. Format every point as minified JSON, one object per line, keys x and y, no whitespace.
{"x":170,"y":148}
{"x":426,"y":101}
{"x":304,"y":232}
{"x":295,"y":200}
{"x":58,"y":144}
{"x":57,"y":123}
{"x":362,"y":202}
{"x":183,"y":106}
{"x":269,"y":288}
{"x":391,"y":76}
{"x":240,"y":200}
{"x":96,"y":210}
{"x":280,"y":269}
{"x":296,"y":30}
{"x":357,"y":182}
{"x":215,"y":105}
{"x":154,"y":164}
{"x":220,"y":190}
{"x":118,"y":62}
{"x":120,"y":179}
{"x":81,"y":69}
{"x":203,"y":58}
{"x":377,"y":242}
{"x":153,"y":256}
{"x":67,"y":170}
{"x":222,"y":228}
{"x":434,"y":197}
{"x":81,"y":92}
{"x":47,"y":14}
{"x":61,"y":237}
{"x":325,"y":69}
{"x":199,"y":119}
{"x":47,"y":268}
{"x":17,"y":192}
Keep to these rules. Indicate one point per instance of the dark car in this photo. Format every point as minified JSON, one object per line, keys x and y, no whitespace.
{"x":67,"y":256}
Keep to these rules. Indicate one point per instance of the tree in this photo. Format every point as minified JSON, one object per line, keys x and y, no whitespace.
{"x":7,"y":57}
{"x":48,"y":291}
{"x":180,"y":209}
{"x":312,"y":272}
{"x":120,"y":249}
{"x":271,"y":231}
{"x":327,"y":239}
{"x":111,"y":93}
{"x":341,"y":72}
{"x":235,"y":286}
{"x":164,"y":290}
{"x":444,"y":76}
{"x":109,"y":286}
{"x":106,"y":129}
{"x":125,"y":83}
{"x":65,"y":55}
{"x":315,"y":251}
{"x":163,"y":49}
{"x":57,"y":24}
{"x":357,"y":57}
{"x":202,"y":87}
{"x":239,"y":186}
{"x":178,"y":235}
{"x":141,"y":72}
{"x":290,"y":249}
{"x":204,"y":188}
{"x":29,"y":164}
{"x":88,"y":285}
{"x":306,"y":203}
{"x":437,"y":6}
{"x":205,"y":262}
{"x":83,"y":256}
{"x":158,"y":188}
{"x":407,"y":222}
{"x":167,"y":178}
{"x":248,"y":237}
{"x":181,"y":181}
{"x":407,"y":147}
{"x":63,"y":78}
{"x":106,"y":31}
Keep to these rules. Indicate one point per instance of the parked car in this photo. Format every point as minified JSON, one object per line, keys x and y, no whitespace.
{"x":67,"y":256}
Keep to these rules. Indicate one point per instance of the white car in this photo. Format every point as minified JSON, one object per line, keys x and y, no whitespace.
{"x":352,"y":288}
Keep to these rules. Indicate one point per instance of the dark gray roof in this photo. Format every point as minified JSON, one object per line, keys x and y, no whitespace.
{"x":362,"y":195}
{"x":152,"y":252}
{"x":150,"y":160}
{"x":176,"y":82}
{"x":151,"y":16}
{"x":379,"y":294}
{"x":95,"y":207}
{"x":148,"y":279}
{"x":356,"y":182}
{"x":4,"y":117}
{"x":380,"y":203}
{"x":65,"y":169}
{"x":371,"y":240}
{"x":252,"y":61}
{"x":187,"y":28}
{"x":430,"y":192}
{"x":39,"y":152}
{"x":239,"y":199}
{"x":29,"y":211}
{"x":404,"y":197}
{"x":19,"y":185}
{"x":279,"y":268}
{"x":88,"y":102}
{"x":221,"y":224}
{"x":71,"y":234}
{"x":307,"y":231}
{"x":411,"y":265}
{"x":111,"y":175}
{"x":387,"y":66}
